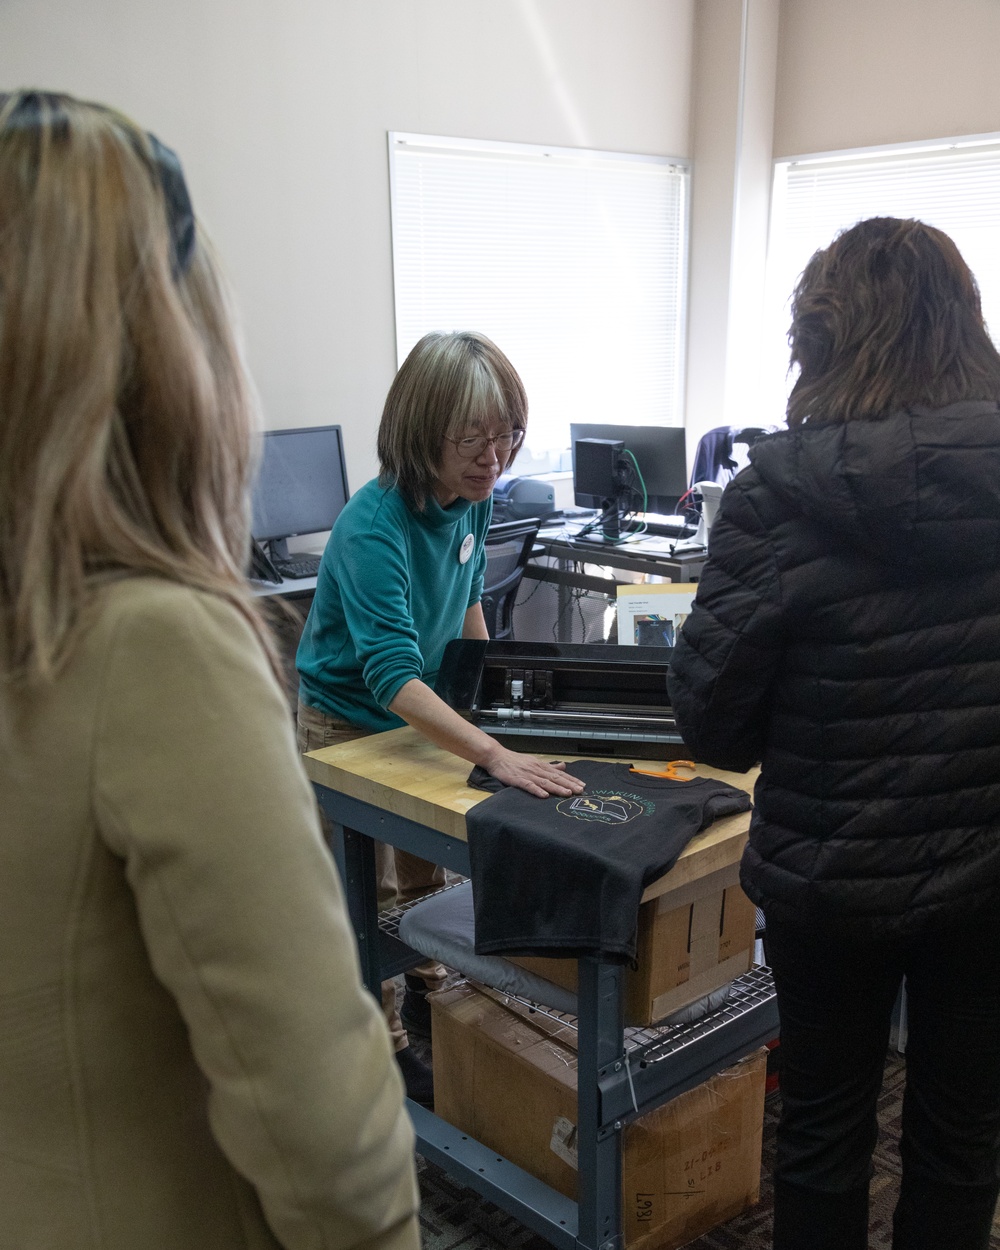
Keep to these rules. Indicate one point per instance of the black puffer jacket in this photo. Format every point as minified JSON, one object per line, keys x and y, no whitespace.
{"x":846,"y":634}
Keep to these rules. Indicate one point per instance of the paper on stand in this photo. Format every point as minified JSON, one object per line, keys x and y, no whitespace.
{"x":652,"y":615}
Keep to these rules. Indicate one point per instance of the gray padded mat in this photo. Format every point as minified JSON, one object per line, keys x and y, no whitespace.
{"x":443,"y":927}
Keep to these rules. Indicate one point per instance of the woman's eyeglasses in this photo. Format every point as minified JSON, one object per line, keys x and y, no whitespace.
{"x":505,"y":443}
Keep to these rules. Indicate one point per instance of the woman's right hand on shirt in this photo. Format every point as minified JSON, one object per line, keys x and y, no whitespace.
{"x":420,"y":707}
{"x":536,"y":776}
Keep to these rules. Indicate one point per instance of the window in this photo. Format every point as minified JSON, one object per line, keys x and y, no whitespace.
{"x":952,"y":184}
{"x":572,"y":261}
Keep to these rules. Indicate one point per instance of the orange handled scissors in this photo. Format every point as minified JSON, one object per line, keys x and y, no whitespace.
{"x":668,"y":770}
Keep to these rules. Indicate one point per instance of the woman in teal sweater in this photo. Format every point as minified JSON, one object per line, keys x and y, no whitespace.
{"x":402,"y":576}
{"x":394,"y":588}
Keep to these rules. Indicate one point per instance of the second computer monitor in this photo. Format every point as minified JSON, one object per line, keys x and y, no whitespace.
{"x":659,"y":452}
{"x":302,"y":484}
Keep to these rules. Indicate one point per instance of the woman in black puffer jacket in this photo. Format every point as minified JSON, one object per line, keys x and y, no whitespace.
{"x":846,"y":635}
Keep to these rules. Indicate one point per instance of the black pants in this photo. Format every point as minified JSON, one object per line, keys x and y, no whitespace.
{"x":835,"y":1001}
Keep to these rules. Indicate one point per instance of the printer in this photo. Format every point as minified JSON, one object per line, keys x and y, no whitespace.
{"x":564,"y":698}
{"x":515,"y":498}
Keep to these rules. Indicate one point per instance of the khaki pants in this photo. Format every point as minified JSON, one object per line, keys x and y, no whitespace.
{"x":401,"y":877}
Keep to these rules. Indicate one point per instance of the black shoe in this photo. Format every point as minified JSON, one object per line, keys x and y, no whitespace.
{"x":415,"y":1011}
{"x":417,"y":1077}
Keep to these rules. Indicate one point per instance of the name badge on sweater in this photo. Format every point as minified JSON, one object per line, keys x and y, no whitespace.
{"x":465,"y":551}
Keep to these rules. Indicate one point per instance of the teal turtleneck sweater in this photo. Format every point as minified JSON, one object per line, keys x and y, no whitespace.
{"x":391,"y":593}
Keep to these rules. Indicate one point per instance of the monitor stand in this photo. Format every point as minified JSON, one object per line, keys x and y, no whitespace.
{"x":292,"y":564}
{"x":278,"y":550}
{"x":612,"y":526}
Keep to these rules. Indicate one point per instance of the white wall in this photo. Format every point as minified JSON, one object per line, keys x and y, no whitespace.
{"x":280,"y":112}
{"x":733,"y":113}
{"x":854,"y":73}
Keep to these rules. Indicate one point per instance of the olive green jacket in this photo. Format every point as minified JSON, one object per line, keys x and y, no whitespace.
{"x":188,"y":1060}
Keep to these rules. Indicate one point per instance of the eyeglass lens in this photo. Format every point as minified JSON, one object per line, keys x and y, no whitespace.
{"x":502,"y":442}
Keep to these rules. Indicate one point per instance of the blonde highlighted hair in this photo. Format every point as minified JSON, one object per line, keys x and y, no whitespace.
{"x":448,"y":385}
{"x":127,"y":427}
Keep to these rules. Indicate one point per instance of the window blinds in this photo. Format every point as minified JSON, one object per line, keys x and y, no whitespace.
{"x":572,"y":261}
{"x":953,"y":185}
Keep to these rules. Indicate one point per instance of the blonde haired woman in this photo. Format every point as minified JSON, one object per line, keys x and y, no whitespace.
{"x":187,"y":1057}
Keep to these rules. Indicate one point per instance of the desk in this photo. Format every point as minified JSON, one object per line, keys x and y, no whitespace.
{"x":399,"y":788}
{"x":649,"y":556}
{"x":288,"y":588}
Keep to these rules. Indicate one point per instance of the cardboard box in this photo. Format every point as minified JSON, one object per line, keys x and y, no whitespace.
{"x":689,"y":942}
{"x":507,"y":1077}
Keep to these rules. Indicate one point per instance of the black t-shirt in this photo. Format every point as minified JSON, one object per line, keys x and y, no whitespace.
{"x":564,"y":876}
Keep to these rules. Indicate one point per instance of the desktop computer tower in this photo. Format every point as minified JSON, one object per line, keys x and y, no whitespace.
{"x":595,"y":471}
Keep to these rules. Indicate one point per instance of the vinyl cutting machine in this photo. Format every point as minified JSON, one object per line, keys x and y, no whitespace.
{"x":568,"y":698}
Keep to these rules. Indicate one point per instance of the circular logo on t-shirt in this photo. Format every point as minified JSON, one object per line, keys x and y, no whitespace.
{"x":607,"y":808}
{"x":465,"y":551}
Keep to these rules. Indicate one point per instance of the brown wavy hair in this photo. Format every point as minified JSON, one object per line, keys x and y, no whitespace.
{"x":886,"y":317}
{"x":127,"y":425}
{"x":447,"y":385}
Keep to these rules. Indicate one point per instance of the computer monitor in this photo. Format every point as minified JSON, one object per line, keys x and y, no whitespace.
{"x":301,"y":487}
{"x":660,"y":454}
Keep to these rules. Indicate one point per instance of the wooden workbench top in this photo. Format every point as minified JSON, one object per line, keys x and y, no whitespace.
{"x":401,"y":772}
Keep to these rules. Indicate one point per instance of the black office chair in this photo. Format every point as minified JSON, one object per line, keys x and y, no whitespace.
{"x":508,"y":546}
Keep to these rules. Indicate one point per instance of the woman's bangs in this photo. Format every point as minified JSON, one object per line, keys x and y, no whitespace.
{"x":480,"y":407}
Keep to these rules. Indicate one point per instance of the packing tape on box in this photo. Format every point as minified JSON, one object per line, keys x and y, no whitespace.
{"x":631,"y":1087}
{"x":563,"y":1141}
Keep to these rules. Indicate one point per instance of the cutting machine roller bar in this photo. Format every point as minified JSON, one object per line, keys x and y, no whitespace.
{"x":550,"y":717}
{"x":593,"y":735}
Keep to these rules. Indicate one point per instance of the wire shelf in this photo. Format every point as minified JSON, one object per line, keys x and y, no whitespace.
{"x":655,"y":1043}
{"x":388,"y":920}
{"x":747,"y":993}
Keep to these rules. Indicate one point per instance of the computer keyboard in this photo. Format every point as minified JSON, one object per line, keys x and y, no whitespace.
{"x":667,"y":529}
{"x":298,"y":566}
